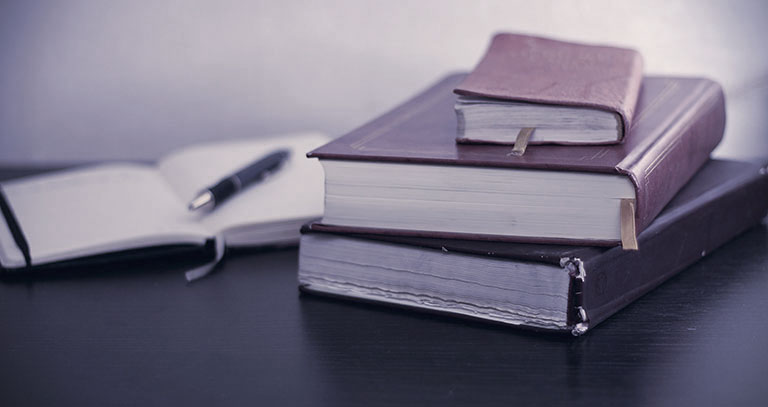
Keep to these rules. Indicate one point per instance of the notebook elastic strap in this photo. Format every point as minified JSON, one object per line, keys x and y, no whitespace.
{"x":13,"y":225}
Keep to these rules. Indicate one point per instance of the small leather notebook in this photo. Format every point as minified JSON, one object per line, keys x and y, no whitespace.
{"x":570,"y":93}
{"x":544,"y":287}
{"x":403,"y":172}
{"x":117,"y":212}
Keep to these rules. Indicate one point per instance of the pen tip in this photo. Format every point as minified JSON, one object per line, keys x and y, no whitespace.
{"x":205,"y":199}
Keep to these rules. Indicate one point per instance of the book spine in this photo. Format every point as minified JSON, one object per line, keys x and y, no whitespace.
{"x":661,"y":169}
{"x":632,"y":92}
{"x":614,"y":280}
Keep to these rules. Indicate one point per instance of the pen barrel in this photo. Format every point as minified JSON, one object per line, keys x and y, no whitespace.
{"x":224,"y":189}
{"x":258,"y":170}
{"x":246,"y":176}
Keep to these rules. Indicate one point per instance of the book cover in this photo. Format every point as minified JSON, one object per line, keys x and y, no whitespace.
{"x":723,"y":200}
{"x":678,"y":122}
{"x":538,"y":70}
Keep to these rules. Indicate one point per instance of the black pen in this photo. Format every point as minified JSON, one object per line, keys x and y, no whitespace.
{"x":230,"y":185}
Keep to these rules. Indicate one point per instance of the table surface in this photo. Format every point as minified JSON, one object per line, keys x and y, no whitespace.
{"x":244,"y":335}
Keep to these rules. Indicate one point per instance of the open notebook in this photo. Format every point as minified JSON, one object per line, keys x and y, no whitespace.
{"x":112,"y":209}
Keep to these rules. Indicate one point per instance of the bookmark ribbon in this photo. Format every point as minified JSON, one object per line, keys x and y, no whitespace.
{"x":628,"y":232}
{"x":521,"y":142}
{"x":13,"y":226}
{"x":207,"y":268}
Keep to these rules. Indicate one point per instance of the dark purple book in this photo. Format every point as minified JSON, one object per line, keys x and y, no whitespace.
{"x":571,"y":93}
{"x":545,"y":287}
{"x":404,"y":173}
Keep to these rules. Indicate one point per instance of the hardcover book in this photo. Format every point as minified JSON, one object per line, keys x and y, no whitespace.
{"x":570,"y":93}
{"x":545,"y":287}
{"x":403,"y":172}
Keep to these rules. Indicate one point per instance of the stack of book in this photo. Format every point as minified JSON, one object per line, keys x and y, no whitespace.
{"x":547,"y":189}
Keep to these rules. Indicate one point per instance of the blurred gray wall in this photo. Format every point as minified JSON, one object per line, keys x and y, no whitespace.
{"x":96,"y":80}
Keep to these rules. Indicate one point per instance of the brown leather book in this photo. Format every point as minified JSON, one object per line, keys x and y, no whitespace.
{"x":549,"y":287}
{"x":570,"y":93}
{"x":403,"y":173}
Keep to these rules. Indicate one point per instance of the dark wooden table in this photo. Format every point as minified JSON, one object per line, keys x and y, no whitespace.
{"x":245,"y":336}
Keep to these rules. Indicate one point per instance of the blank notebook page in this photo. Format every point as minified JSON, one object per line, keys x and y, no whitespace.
{"x":293,"y":193}
{"x":94,"y":210}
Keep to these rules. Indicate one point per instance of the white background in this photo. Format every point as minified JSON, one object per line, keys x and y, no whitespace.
{"x":98,"y":80}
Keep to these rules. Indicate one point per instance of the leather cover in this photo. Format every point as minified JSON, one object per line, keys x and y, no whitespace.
{"x":539,"y":70}
{"x":723,"y":200}
{"x":678,"y":122}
